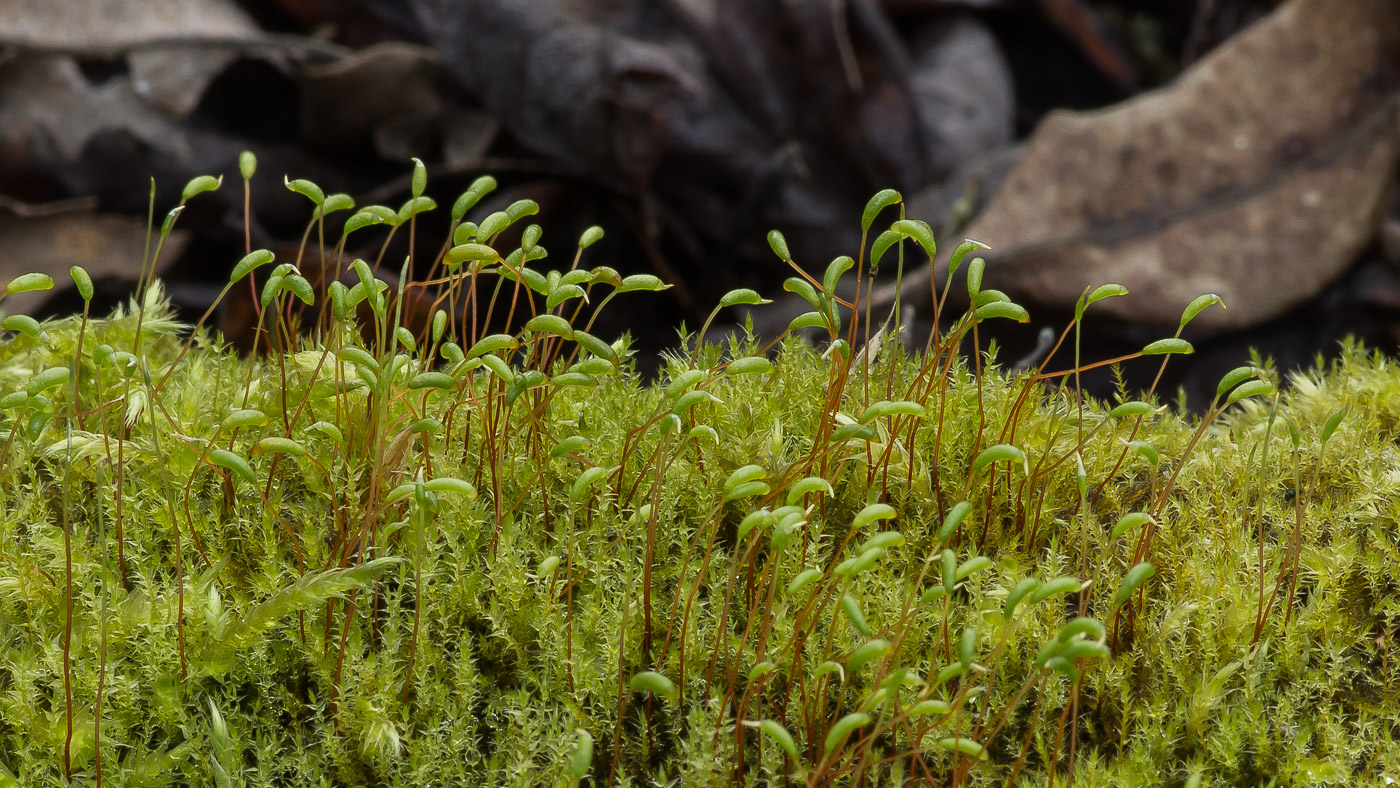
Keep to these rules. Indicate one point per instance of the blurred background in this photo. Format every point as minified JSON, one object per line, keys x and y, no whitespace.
{"x":1241,"y":147}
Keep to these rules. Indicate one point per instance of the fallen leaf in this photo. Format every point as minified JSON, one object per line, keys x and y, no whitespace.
{"x":371,"y":97}
{"x":1259,"y":175}
{"x":736,"y":116}
{"x":50,"y":239}
{"x":115,"y":26}
{"x":173,"y":80}
{"x":167,"y":45}
{"x":50,"y":93}
{"x":102,"y":139}
{"x":961,"y":86}
{"x":467,"y":136}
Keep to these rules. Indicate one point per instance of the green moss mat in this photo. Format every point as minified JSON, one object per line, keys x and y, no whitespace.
{"x":295,"y":609}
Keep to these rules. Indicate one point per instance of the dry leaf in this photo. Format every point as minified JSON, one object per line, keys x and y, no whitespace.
{"x":345,"y":104}
{"x":49,"y":93}
{"x":33,"y":239}
{"x":961,"y":85}
{"x":1259,"y":175}
{"x":115,"y":26}
{"x":166,"y":43}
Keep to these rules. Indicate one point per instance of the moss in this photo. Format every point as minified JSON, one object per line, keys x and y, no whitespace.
{"x":281,"y":573}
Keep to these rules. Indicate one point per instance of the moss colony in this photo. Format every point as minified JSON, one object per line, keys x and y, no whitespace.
{"x":441,"y":558}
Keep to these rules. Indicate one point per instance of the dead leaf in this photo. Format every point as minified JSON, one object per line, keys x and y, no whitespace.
{"x":348,"y":105}
{"x":468,"y":135}
{"x":173,"y":80}
{"x":48,"y":94}
{"x":116,"y":26}
{"x":50,"y":239}
{"x":737,"y":116}
{"x":961,"y":86}
{"x":102,"y":139}
{"x":1259,"y":175}
{"x":166,"y":43}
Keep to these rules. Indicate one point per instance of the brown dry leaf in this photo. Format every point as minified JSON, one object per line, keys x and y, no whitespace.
{"x":378,"y":94}
{"x":48,"y":241}
{"x":115,"y":26}
{"x":166,"y":43}
{"x":49,"y":95}
{"x":719,"y":120}
{"x":961,"y":86}
{"x":1259,"y":175}
{"x":173,"y":80}
{"x":467,"y":136}
{"x":98,"y":139}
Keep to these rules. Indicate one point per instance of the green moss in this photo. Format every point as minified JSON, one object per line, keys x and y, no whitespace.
{"x":338,"y":614}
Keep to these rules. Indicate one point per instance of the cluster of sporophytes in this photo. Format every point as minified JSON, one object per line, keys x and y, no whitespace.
{"x":381,"y":556}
